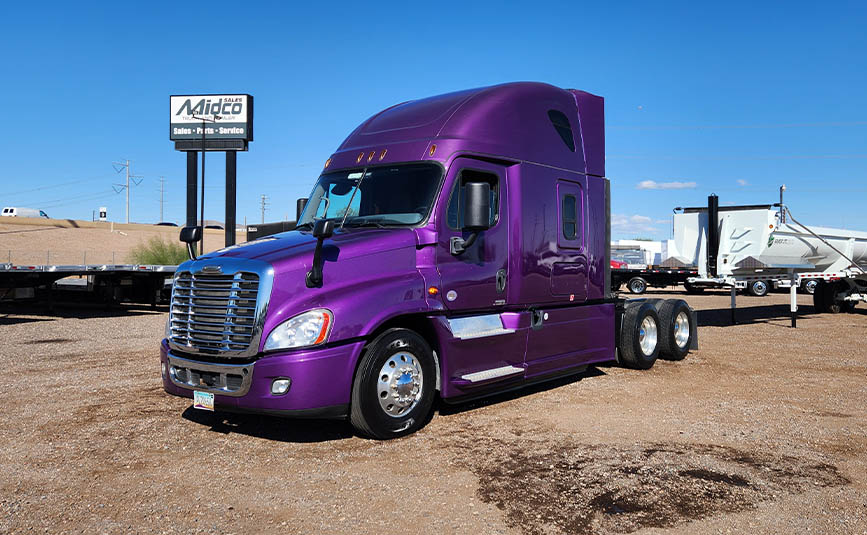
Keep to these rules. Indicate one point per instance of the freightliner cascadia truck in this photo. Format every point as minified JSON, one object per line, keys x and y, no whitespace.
{"x":454,"y":247}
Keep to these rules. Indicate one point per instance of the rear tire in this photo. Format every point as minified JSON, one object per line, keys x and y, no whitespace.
{"x":394,"y":386}
{"x":675,"y":324}
{"x":758,"y":288}
{"x":637,"y":285}
{"x":639,"y":336}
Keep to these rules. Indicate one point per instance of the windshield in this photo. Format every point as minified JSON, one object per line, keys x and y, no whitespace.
{"x":378,"y":196}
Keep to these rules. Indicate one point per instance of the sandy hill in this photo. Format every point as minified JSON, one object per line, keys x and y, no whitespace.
{"x":25,"y":240}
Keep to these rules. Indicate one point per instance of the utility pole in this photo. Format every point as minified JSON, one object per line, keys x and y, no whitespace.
{"x":264,"y":205}
{"x":118,"y":166}
{"x":162,"y":191}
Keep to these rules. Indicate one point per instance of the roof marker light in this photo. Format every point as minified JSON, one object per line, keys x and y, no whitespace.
{"x":360,"y":156}
{"x":370,"y":156}
{"x":327,"y":163}
{"x":382,"y":154}
{"x":433,"y":149}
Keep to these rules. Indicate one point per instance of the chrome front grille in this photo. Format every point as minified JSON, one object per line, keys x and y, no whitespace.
{"x":215,"y":313}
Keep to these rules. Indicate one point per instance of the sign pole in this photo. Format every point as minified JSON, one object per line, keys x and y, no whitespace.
{"x":192,"y":180}
{"x":202,"y":218}
{"x":231,"y":194}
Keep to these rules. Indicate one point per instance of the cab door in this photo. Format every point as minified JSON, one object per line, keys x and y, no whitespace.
{"x":487,"y":344}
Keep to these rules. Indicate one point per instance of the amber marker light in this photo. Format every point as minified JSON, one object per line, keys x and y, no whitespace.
{"x":360,"y":156}
{"x":370,"y":156}
{"x":433,"y":149}
{"x":382,"y":154}
{"x":433,"y":290}
{"x":327,"y":163}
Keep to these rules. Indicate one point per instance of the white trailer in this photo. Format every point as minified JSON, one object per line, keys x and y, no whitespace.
{"x":761,"y":245}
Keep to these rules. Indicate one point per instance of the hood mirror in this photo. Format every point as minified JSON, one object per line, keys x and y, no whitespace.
{"x":191,"y":236}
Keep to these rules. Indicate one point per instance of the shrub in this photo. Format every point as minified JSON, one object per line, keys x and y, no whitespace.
{"x":158,"y":251}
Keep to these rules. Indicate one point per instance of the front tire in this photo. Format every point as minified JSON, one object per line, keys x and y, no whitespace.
{"x":639,"y":336}
{"x":394,"y":386}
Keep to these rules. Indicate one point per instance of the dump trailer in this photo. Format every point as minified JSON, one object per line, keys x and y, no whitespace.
{"x":455,"y":246}
{"x":765,"y":245}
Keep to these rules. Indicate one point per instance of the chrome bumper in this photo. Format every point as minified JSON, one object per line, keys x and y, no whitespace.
{"x":224,"y":379}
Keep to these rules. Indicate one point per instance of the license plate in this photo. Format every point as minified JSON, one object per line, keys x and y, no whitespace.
{"x":203,"y":400}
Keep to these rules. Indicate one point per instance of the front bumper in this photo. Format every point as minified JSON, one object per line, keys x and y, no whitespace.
{"x":321,"y":381}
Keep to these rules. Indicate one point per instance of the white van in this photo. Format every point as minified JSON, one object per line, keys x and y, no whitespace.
{"x":13,"y":211}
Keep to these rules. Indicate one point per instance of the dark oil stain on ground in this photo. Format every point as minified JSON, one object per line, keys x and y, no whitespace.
{"x":50,"y":341}
{"x":548,"y":488}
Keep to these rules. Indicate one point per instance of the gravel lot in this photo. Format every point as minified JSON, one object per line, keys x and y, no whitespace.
{"x":760,"y":431}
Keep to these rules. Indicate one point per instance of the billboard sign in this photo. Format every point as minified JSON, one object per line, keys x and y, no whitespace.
{"x":233,"y":114}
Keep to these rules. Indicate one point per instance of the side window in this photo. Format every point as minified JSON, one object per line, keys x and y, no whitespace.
{"x":561,"y":124}
{"x":570,"y":197}
{"x":570,"y":217}
{"x":454,"y":214}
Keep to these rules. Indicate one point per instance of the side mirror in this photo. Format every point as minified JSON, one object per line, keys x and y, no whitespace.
{"x":323,"y":228}
{"x":299,"y":207}
{"x":190,"y":236}
{"x":477,"y":215}
{"x":477,"y":206}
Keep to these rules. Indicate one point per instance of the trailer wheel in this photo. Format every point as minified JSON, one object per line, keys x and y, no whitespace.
{"x":810,"y":286}
{"x":637,"y":285}
{"x":675,"y":329}
{"x":758,"y":288}
{"x":639,"y":336}
{"x":692,"y":288}
{"x":393,"y":389}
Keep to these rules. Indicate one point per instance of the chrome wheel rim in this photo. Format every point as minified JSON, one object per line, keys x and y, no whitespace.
{"x":647,"y":336}
{"x":399,"y":385}
{"x":760,"y":287}
{"x":681,"y":329}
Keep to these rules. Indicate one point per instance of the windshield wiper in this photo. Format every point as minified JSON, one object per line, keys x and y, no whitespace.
{"x":309,"y":225}
{"x":379,"y":223}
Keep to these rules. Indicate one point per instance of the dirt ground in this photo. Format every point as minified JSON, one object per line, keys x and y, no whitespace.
{"x":762,"y":430}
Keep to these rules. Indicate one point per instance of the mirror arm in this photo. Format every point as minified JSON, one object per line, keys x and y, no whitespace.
{"x":191,"y":251}
{"x":314,"y":276}
{"x":458,"y":245}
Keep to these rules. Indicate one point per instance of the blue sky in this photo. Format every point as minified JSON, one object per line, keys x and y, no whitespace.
{"x":728,"y":98}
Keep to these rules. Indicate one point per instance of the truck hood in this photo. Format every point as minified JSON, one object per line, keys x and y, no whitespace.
{"x":294,"y":246}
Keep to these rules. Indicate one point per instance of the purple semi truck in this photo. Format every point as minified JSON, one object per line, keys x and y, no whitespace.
{"x":454,"y":246}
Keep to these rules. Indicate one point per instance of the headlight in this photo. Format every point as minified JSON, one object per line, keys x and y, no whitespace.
{"x":307,"y":329}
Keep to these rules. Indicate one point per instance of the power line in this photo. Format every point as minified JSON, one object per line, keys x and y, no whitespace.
{"x":265,"y":204}
{"x":162,"y":192}
{"x":118,"y":166}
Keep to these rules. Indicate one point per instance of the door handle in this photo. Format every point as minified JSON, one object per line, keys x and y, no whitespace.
{"x":501,"y":280}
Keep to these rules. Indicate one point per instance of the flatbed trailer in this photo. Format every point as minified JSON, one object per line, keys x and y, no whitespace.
{"x":109,"y":283}
{"x":638,"y":280}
